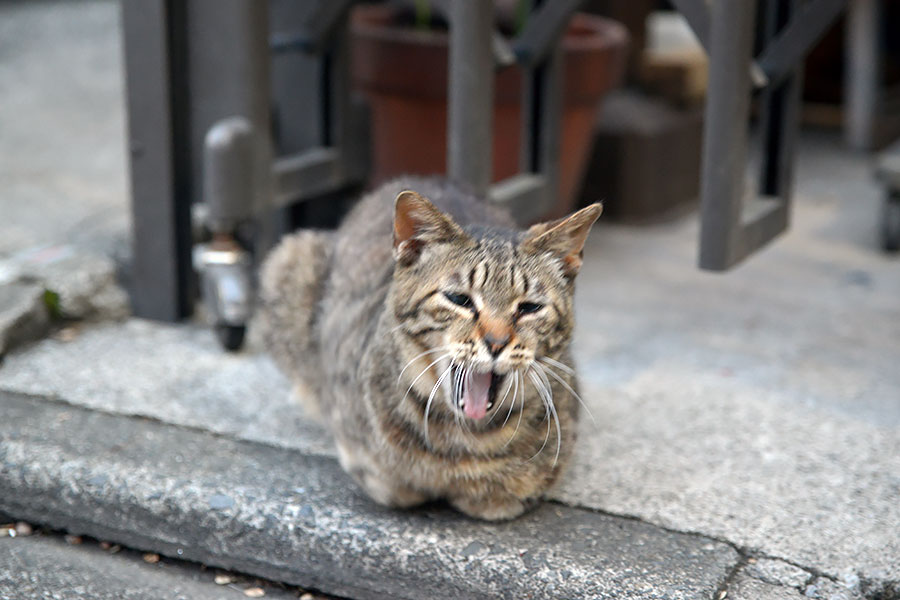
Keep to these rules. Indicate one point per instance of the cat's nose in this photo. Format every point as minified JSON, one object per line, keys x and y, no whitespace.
{"x":496,"y":343}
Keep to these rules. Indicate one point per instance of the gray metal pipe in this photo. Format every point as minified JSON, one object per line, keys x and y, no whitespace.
{"x":471,"y":91}
{"x":725,"y":132}
{"x":862,"y":75}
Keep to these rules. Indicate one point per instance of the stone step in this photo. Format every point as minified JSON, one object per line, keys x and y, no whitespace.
{"x":293,"y":517}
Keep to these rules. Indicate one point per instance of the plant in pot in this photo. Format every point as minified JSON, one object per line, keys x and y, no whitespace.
{"x":400,"y":62}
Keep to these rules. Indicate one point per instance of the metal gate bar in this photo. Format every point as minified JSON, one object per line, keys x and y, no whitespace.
{"x":735,"y":220}
{"x":160,"y":203}
{"x":179,"y":86}
{"x":471,"y":94}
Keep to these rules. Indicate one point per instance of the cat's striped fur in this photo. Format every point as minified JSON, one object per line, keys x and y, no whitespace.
{"x":409,"y":310}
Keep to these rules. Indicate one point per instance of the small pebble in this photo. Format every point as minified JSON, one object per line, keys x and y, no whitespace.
{"x":114,"y":548}
{"x":151,"y":558}
{"x":255,"y":592}
{"x":23,"y":528}
{"x":307,"y":596}
{"x":73,"y":539}
{"x":105,"y":545}
{"x":722,"y":594}
{"x":223,"y":579}
{"x":66,"y":334}
{"x":752,"y":561}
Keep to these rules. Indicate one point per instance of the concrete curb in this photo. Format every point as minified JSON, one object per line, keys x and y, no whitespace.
{"x":296,"y":518}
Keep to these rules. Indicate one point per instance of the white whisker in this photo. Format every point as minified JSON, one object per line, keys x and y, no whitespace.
{"x":425,"y":370}
{"x":542,"y":373}
{"x":573,"y":392}
{"x":502,"y":400}
{"x":512,"y":403}
{"x":457,"y":398}
{"x":467,"y":378}
{"x":434,"y":390}
{"x":521,"y":410}
{"x":547,"y":396}
{"x":559,"y":365}
{"x":538,"y":386}
{"x":417,"y":357}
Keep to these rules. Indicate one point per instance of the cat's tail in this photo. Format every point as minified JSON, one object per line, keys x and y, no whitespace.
{"x":292,"y":281}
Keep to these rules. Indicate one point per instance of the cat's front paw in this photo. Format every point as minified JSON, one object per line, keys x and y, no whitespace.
{"x":387,"y":493}
{"x":498,"y":508}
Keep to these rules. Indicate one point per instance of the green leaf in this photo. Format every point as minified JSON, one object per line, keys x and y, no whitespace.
{"x":51,"y":301}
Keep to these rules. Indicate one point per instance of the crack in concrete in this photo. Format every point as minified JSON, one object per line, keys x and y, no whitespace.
{"x":868,"y":588}
{"x":874,"y":590}
{"x":722,"y":591}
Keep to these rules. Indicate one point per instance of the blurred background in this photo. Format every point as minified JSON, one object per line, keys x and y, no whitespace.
{"x":144,"y":132}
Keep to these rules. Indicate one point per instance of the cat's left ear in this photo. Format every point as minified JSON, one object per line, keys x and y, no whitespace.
{"x":564,"y":237}
{"x":418,"y":222}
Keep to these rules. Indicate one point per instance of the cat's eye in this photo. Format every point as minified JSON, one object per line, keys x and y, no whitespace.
{"x":459,"y":299}
{"x":527,"y":308}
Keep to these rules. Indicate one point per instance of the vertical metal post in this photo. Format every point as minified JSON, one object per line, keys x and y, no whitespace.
{"x":346,"y":131}
{"x":471,"y":90}
{"x":532,"y":192}
{"x":336,"y":90}
{"x":160,"y":200}
{"x":780,"y":112}
{"x":296,"y":76}
{"x":862,"y":73}
{"x":552,"y":73}
{"x":542,"y":124}
{"x":725,"y":131}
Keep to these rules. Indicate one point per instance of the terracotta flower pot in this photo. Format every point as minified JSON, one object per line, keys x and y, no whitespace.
{"x":404,"y":74}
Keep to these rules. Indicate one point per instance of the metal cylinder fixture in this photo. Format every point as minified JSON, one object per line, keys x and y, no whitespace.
{"x":228,"y":173}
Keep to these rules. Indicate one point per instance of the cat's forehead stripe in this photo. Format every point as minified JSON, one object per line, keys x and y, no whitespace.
{"x":500,"y":260}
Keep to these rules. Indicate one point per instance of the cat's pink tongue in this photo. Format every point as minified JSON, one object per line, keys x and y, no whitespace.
{"x":475,"y":397}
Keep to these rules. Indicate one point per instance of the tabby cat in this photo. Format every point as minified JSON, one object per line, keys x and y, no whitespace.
{"x":433,"y":338}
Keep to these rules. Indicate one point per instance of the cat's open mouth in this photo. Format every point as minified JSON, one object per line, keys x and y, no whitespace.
{"x":475,"y":393}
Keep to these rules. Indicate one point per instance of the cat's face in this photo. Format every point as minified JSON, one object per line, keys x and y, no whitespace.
{"x":489,"y":306}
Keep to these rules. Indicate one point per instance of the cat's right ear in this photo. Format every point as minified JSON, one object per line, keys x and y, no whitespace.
{"x":564,"y":237}
{"x":416,"y":223}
